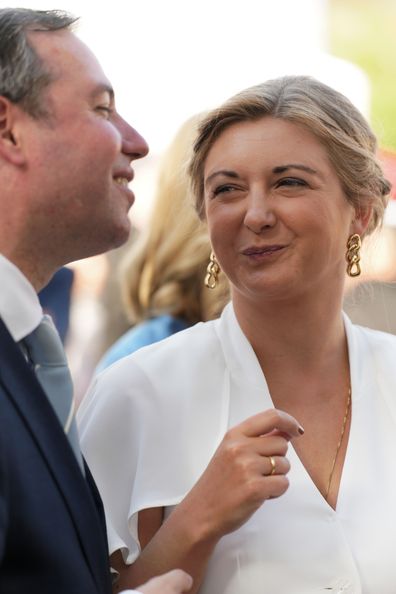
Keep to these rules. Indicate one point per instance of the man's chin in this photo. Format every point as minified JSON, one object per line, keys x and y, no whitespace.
{"x":120,"y":236}
{"x":103,"y":245}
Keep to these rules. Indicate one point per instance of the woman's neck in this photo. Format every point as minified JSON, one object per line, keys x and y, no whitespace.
{"x":300,"y":340}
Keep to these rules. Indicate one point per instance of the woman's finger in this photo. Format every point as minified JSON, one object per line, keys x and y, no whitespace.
{"x":270,"y":420}
{"x":275,"y":465}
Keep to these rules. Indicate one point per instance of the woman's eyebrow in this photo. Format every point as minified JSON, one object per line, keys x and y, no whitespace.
{"x":283,"y":168}
{"x":277,"y":169}
{"x":224,"y":172}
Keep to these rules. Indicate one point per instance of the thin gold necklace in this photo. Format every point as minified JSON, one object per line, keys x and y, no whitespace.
{"x":344,"y":422}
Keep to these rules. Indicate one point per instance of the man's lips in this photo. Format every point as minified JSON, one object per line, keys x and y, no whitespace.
{"x":122,"y":180}
{"x":123,"y":176}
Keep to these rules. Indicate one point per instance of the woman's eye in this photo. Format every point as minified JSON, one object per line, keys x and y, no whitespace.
{"x":291,"y":182}
{"x":223,"y":189}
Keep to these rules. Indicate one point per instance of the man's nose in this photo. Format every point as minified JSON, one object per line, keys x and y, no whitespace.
{"x":133,"y":144}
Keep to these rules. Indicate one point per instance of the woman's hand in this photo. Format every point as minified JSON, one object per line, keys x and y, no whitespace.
{"x":173,"y":582}
{"x":248,"y":468}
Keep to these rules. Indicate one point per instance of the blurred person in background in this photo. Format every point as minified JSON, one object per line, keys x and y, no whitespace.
{"x":115,"y":320}
{"x":286,"y":176}
{"x":163,"y":273}
{"x":97,"y":317}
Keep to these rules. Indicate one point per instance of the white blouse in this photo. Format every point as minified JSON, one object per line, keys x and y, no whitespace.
{"x":151,"y":422}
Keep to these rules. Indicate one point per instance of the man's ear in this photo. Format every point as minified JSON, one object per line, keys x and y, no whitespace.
{"x":361,"y":219}
{"x":10,"y":147}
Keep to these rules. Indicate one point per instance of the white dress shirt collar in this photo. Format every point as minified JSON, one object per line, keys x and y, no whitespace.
{"x":20,"y":308}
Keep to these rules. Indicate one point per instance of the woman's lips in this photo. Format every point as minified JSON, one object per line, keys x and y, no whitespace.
{"x":263,"y":250}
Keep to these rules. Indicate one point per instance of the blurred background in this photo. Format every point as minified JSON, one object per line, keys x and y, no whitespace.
{"x":170,"y":59}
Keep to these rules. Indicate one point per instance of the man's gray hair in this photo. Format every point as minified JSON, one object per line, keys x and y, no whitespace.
{"x":23,"y":75}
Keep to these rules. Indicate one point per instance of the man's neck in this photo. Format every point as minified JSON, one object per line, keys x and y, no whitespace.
{"x":30,"y":268}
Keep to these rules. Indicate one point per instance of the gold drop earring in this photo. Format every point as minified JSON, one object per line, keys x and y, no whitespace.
{"x":353,"y":255}
{"x":212,"y":272}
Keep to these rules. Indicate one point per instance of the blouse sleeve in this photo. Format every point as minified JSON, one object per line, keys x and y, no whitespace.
{"x":142,"y":434}
{"x":109,"y":434}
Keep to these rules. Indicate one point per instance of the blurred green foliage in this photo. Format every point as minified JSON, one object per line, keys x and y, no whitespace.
{"x":364,"y":32}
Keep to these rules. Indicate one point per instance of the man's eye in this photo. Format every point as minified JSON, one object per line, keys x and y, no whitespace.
{"x":105,"y":109}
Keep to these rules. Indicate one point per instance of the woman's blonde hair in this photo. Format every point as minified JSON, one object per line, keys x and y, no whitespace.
{"x":165,"y":269}
{"x":327,"y":114}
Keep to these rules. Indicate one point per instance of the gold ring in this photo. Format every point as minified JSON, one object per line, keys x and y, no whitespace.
{"x":273,"y":465}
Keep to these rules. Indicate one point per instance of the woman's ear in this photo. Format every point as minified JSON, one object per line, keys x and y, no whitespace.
{"x":10,"y":148}
{"x":361,"y":220}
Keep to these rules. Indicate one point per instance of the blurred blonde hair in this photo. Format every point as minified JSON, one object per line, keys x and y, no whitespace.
{"x":165,"y":269}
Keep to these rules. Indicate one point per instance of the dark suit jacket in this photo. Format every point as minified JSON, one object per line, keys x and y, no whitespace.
{"x":52,"y":533}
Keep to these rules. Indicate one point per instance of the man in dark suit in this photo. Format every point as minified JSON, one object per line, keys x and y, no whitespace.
{"x":65,"y":162}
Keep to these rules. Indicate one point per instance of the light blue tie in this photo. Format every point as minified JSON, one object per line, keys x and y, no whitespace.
{"x":45,"y":351}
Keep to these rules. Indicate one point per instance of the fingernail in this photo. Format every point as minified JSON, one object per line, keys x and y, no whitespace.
{"x":301,"y":430}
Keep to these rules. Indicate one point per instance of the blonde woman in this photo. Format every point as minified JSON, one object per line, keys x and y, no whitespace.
{"x":190,"y":438}
{"x":163,"y":288}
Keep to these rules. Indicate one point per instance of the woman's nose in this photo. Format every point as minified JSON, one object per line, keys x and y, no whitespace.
{"x":260,"y":213}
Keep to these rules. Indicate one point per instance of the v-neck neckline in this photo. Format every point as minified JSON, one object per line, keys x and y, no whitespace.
{"x":245,"y":370}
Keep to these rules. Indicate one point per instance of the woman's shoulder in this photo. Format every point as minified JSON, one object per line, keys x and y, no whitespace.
{"x":160,"y":380}
{"x":378,"y":346}
{"x":376,"y":337}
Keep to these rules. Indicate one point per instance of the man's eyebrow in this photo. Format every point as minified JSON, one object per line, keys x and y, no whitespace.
{"x":103,"y":88}
{"x":283,"y":168}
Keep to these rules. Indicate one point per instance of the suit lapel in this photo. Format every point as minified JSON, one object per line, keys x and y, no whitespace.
{"x":24,"y":390}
